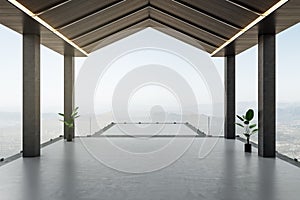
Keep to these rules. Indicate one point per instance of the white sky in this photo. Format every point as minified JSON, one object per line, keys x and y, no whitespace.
{"x":288,"y":70}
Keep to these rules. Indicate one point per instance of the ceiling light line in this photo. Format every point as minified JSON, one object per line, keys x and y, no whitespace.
{"x":90,"y":15}
{"x":149,"y":4}
{"x":252,"y":24}
{"x":117,"y":31}
{"x":243,"y":7}
{"x":133,"y":27}
{"x":183,"y":32}
{"x":179,"y":36}
{"x":53,"y":7}
{"x":45,"y":24}
{"x":207,"y":15}
{"x":109,"y":23}
{"x":190,"y":24}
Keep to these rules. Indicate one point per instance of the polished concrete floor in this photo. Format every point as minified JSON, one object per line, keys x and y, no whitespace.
{"x":74,"y":171}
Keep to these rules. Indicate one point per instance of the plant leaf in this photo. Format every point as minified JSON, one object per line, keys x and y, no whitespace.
{"x":70,"y":122}
{"x":252,"y":125}
{"x":75,"y":110}
{"x":249,"y":115}
{"x":240,"y":118}
{"x":74,"y":114}
{"x":239,"y":125}
{"x":254,"y":131}
{"x":246,"y":122}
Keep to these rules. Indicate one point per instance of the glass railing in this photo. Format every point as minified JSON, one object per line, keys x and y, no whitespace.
{"x":10,"y":134}
{"x":51,"y":127}
{"x":288,"y":138}
{"x":287,"y":133}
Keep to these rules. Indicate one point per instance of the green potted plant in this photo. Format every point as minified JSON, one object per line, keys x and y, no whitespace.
{"x":249,"y":128}
{"x":69,"y":122}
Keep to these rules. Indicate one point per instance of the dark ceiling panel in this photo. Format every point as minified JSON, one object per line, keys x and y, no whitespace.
{"x":103,"y":18}
{"x":181,"y":37}
{"x":40,"y":5}
{"x":117,"y":36}
{"x":55,"y":43}
{"x":256,"y":5}
{"x":222,"y":10}
{"x":178,"y":25}
{"x":201,"y":20}
{"x":112,"y":28}
{"x":74,"y":10}
{"x":208,"y":22}
{"x":288,"y":15}
{"x":142,"y":25}
{"x":13,"y":18}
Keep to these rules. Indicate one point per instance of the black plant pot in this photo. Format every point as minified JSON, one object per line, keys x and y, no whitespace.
{"x":248,"y":148}
{"x":69,"y":135}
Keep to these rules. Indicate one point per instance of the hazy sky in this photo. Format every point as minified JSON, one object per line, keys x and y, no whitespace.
{"x":288,"y":70}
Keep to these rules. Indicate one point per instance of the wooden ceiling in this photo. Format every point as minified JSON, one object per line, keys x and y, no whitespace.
{"x":92,"y":24}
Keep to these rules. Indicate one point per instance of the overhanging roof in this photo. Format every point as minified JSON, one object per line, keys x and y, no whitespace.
{"x":91,"y":24}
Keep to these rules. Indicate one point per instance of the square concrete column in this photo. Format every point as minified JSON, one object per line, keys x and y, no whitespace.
{"x":229,"y":101}
{"x":31,"y":88}
{"x":266,"y":89}
{"x":68,"y":89}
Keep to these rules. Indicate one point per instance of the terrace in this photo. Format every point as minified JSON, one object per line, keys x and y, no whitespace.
{"x":70,"y":171}
{"x":74,"y":170}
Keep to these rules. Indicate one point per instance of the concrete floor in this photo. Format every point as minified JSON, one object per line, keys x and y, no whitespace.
{"x":69,"y":171}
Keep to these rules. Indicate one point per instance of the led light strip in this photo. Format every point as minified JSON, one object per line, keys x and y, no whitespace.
{"x":45,"y":24}
{"x":106,"y":25}
{"x":252,"y":24}
{"x":243,"y":7}
{"x":93,"y":14}
{"x":56,"y":6}
{"x":188,"y":24}
{"x":205,"y":14}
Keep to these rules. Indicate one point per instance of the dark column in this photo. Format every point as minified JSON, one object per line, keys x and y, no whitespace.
{"x":68,"y":89}
{"x":266,"y":89}
{"x":31,"y":88}
{"x":229,"y":103}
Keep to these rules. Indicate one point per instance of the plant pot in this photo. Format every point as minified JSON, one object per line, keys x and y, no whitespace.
{"x":69,"y":135}
{"x":248,"y":148}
